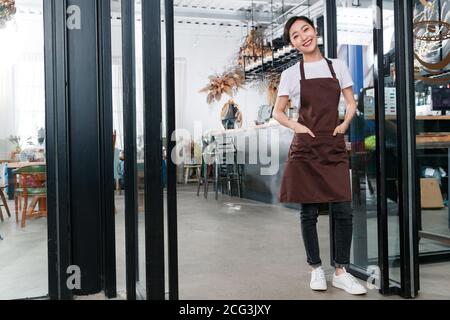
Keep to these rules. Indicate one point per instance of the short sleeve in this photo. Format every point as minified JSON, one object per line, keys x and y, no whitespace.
{"x":346,"y":78}
{"x":283,"y":88}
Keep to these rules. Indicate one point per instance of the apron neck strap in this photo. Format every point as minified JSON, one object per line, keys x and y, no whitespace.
{"x":330,"y":65}
{"x":302,"y":69}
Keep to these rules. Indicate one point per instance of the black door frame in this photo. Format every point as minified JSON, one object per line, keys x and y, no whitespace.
{"x":59,"y":144}
{"x":58,"y":205}
{"x":172,"y":213}
{"x":408,"y":193}
{"x":155,"y":244}
{"x":154,"y":192}
{"x":406,"y":121}
{"x":129,"y":120}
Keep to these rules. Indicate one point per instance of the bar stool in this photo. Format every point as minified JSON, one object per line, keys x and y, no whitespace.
{"x":227,"y":171}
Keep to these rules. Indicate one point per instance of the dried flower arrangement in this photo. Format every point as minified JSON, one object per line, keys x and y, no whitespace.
{"x":7,"y":10}
{"x":227,"y":83}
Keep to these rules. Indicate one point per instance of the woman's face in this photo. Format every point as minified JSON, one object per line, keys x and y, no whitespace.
{"x":303,"y":37}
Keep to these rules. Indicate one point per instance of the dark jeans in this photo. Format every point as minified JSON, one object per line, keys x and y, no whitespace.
{"x":343,"y":216}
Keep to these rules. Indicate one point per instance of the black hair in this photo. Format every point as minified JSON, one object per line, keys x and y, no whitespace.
{"x":290,"y":23}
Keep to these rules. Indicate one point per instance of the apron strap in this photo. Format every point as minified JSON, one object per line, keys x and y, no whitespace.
{"x":330,"y":65}
{"x":302,"y":69}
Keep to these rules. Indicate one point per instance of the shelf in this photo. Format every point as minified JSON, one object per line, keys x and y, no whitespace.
{"x":278,"y":65}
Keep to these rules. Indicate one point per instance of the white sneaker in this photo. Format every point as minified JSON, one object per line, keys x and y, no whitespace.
{"x":318,"y":280}
{"x":348,"y":283}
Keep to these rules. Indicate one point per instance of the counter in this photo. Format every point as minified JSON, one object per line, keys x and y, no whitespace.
{"x":261,"y":162}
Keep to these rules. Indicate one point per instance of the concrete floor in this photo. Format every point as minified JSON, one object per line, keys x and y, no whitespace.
{"x":228,"y":249}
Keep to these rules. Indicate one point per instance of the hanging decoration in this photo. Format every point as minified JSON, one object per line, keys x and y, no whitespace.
{"x":227,"y":83}
{"x":430,"y":32}
{"x":254,"y":47}
{"x":7,"y":11}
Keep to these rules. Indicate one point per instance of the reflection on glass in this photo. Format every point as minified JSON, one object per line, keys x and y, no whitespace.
{"x":355,"y":46}
{"x":118,"y":142}
{"x":391,"y":147}
{"x":432,"y":88}
{"x":23,"y":194}
{"x":140,"y":158}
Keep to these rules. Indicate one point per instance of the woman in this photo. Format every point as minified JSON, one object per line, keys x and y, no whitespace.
{"x":317,"y":169}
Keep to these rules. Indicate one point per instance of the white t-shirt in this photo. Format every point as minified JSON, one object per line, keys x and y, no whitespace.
{"x":290,"y":78}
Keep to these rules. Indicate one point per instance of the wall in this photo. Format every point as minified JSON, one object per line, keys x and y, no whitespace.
{"x":22,"y":100}
{"x":208,"y":52}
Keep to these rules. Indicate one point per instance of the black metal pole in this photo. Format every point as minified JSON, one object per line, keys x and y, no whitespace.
{"x":106,"y":151}
{"x":382,"y":218}
{"x":57,"y":148}
{"x":129,"y":119}
{"x":331,"y":49}
{"x":407,"y":147}
{"x":331,"y":27}
{"x":154,"y":193}
{"x":172,"y":217}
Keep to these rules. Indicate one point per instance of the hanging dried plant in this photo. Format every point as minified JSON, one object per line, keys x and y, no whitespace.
{"x":7,"y":11}
{"x":227,"y":83}
{"x":253,"y":47}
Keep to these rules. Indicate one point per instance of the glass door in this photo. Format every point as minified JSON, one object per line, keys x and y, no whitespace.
{"x":356,"y":49}
{"x":24,"y":223}
{"x":369,"y":35}
{"x":144,"y":165}
{"x":432,"y":104}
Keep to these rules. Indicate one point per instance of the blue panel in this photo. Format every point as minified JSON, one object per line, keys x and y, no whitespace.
{"x":356,"y":65}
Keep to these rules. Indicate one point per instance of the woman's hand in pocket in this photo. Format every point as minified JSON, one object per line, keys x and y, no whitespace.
{"x":342,"y":129}
{"x":299,"y":128}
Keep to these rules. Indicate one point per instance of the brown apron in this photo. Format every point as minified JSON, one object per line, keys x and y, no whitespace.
{"x":317,"y":169}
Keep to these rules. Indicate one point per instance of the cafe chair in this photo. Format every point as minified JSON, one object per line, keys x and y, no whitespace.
{"x":30,"y":183}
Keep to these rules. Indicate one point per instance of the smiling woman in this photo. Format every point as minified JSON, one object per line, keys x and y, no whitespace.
{"x":318,"y":156}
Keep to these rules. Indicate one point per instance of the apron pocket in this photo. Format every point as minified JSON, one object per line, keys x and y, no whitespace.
{"x":339,"y":147}
{"x":300,"y":147}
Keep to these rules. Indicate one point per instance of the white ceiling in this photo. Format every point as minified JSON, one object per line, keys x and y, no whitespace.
{"x":226,"y":13}
{"x":221,"y":12}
